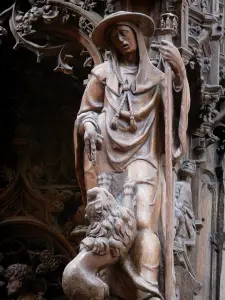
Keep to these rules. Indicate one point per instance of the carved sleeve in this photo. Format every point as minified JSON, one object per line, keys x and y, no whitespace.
{"x":91,"y":104}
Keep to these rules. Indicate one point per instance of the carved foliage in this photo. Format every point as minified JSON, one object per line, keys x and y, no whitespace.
{"x":110,"y":7}
{"x":90,"y":5}
{"x":86,"y":25}
{"x":3,"y":32}
{"x":42,"y":18}
{"x":203,"y":136}
{"x":194,"y":30}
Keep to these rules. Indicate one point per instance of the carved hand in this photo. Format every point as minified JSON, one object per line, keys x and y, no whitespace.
{"x":172,"y":56}
{"x":92,"y":141}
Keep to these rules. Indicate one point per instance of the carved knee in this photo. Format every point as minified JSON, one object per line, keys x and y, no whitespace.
{"x":142,"y":223}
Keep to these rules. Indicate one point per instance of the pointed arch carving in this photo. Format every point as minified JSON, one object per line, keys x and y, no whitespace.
{"x":29,"y":242}
{"x":53,"y":28}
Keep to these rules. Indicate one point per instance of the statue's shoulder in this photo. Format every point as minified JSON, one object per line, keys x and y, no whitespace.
{"x":101,"y":71}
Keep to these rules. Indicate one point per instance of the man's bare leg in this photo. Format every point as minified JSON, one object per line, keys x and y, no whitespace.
{"x":146,"y":249}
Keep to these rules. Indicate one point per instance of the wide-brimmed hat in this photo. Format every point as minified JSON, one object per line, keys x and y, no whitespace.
{"x":99,"y":34}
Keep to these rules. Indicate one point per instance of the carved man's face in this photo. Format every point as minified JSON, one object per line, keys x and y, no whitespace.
{"x":123,"y":38}
{"x":14,"y":286}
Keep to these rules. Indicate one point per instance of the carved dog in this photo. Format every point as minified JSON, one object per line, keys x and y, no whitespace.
{"x":110,"y":235}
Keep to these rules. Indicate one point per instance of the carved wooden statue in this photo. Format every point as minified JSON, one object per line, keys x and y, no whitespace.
{"x":20,"y":277}
{"x":185,"y":233}
{"x":119,"y":138}
{"x":184,"y":214}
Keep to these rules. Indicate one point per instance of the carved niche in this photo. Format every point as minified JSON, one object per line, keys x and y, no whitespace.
{"x":38,"y":188}
{"x":41,"y":182}
{"x":36,"y":168}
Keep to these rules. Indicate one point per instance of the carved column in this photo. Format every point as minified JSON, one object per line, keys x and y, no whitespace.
{"x":218,"y":238}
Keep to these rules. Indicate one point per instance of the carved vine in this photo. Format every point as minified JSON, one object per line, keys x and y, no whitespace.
{"x":203,"y":136}
{"x":45,"y":16}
